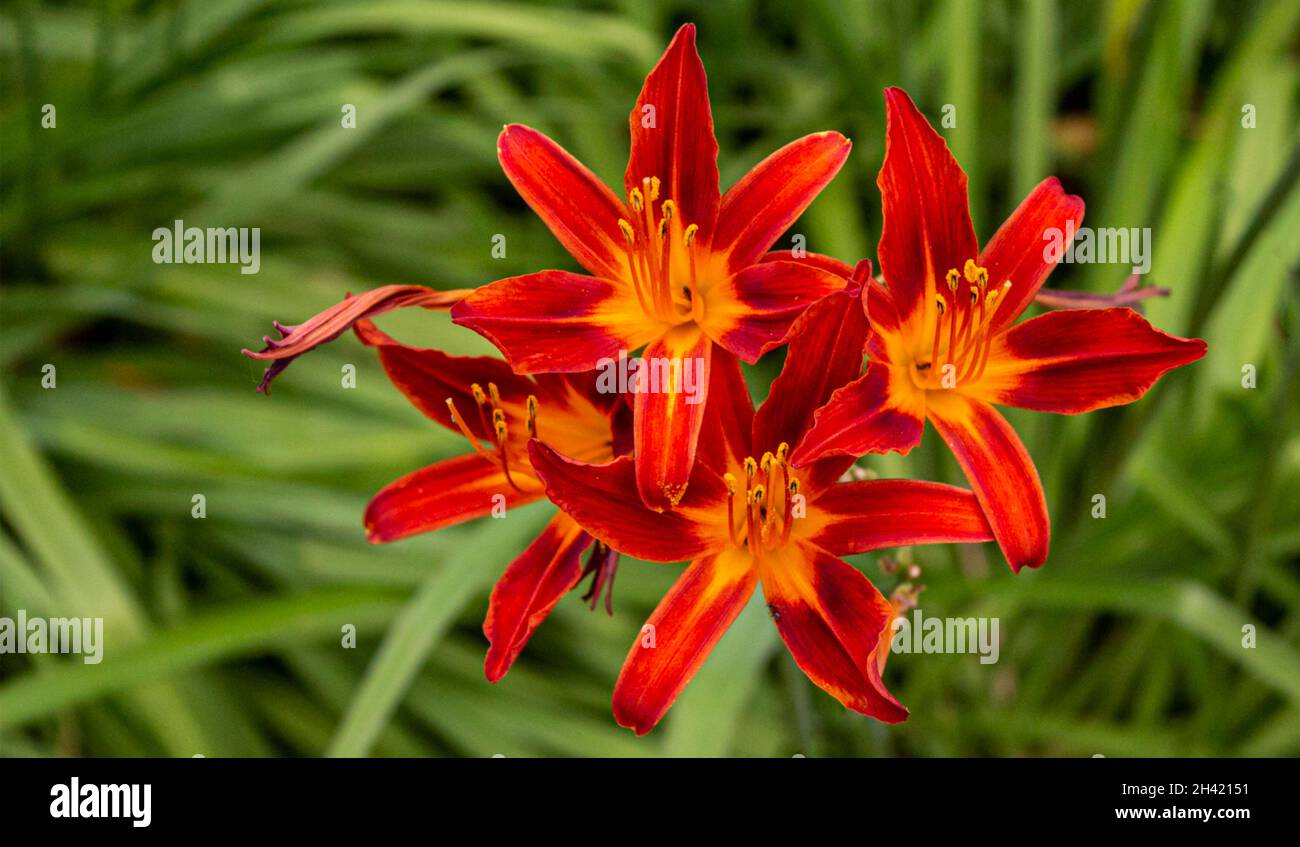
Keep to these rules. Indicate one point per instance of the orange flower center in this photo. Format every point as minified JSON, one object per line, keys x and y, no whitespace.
{"x":959,"y":349}
{"x":661,"y":255}
{"x":770,"y":498}
{"x":489,"y":407}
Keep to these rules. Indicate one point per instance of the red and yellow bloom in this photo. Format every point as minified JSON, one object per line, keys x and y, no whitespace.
{"x":946,"y":346}
{"x":672,"y":266}
{"x":498,"y":412}
{"x":750,"y":516}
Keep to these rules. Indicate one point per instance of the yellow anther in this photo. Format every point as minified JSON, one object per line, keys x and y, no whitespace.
{"x":532,"y":415}
{"x":938,"y":301}
{"x":477,"y":391}
{"x":690,"y":234}
{"x":496,"y":395}
{"x":751,"y":467}
{"x":794,"y":486}
{"x":783,"y":452}
{"x":654,"y":188}
{"x":954,"y":279}
{"x":730,"y":480}
{"x":628,"y":233}
{"x":759,"y":493}
{"x":635,"y":198}
{"x":663,"y":227}
{"x":498,"y":417}
{"x":970,"y":270}
{"x":668,"y":208}
{"x":766,"y":463}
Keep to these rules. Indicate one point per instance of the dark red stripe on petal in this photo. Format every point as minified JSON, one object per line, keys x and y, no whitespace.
{"x":729,"y":418}
{"x":672,"y":135}
{"x":857,"y":517}
{"x":1077,"y":361}
{"x":603,"y":500}
{"x":1017,"y":250}
{"x":1001,"y":473}
{"x":927,"y":228}
{"x":754,"y":311}
{"x":832,"y":618}
{"x":668,"y":413}
{"x":555,"y":321}
{"x":442,"y":494}
{"x":577,"y":207}
{"x":768,"y":199}
{"x":679,"y":636}
{"x":529,"y":589}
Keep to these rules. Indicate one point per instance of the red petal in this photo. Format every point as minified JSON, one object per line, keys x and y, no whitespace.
{"x":927,"y":228}
{"x":329,"y":324}
{"x":825,"y":353}
{"x":729,"y":418}
{"x":865,"y":416}
{"x":428,"y":378}
{"x":443,"y":494}
{"x":1001,"y":472}
{"x":1017,"y":249}
{"x":572,"y":201}
{"x":602,"y":499}
{"x":679,"y":636}
{"x":818,"y":260}
{"x":555,"y":321}
{"x":1077,"y":361}
{"x":673,"y":139}
{"x":872,"y":515}
{"x":832,"y":619}
{"x":768,"y":199}
{"x":529,"y":589}
{"x":668,"y":412}
{"x":753,"y":311}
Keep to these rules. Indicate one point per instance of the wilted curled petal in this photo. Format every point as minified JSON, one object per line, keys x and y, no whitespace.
{"x":324,"y":327}
{"x":1131,"y":293}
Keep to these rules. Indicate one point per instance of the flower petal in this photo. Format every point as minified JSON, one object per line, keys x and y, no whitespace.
{"x":442,"y":494}
{"x":668,"y":411}
{"x":1077,"y":361}
{"x":869,"y":415}
{"x":556,"y":321}
{"x":672,"y":134}
{"x":825,"y":354}
{"x":768,"y":199}
{"x":753,"y":311}
{"x":820,"y":260}
{"x":529,"y":589}
{"x":927,"y":228}
{"x":577,"y":207}
{"x":872,"y":515}
{"x":832,"y":618}
{"x":602,"y":499}
{"x":679,"y":636}
{"x":1001,"y":473}
{"x":329,"y":324}
{"x":1017,"y":250}
{"x":428,"y":378}
{"x":728,"y":419}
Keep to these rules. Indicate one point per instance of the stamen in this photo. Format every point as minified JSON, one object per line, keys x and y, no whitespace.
{"x":730,"y":480}
{"x":464,"y":430}
{"x":792,"y":489}
{"x":532,"y":415}
{"x":499,"y":427}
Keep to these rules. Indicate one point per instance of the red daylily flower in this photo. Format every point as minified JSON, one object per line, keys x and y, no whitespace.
{"x":746,"y":521}
{"x":673,"y":267}
{"x":946,"y":346}
{"x":484,"y":400}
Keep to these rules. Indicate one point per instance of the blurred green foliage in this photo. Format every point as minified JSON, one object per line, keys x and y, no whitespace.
{"x":224,"y":633}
